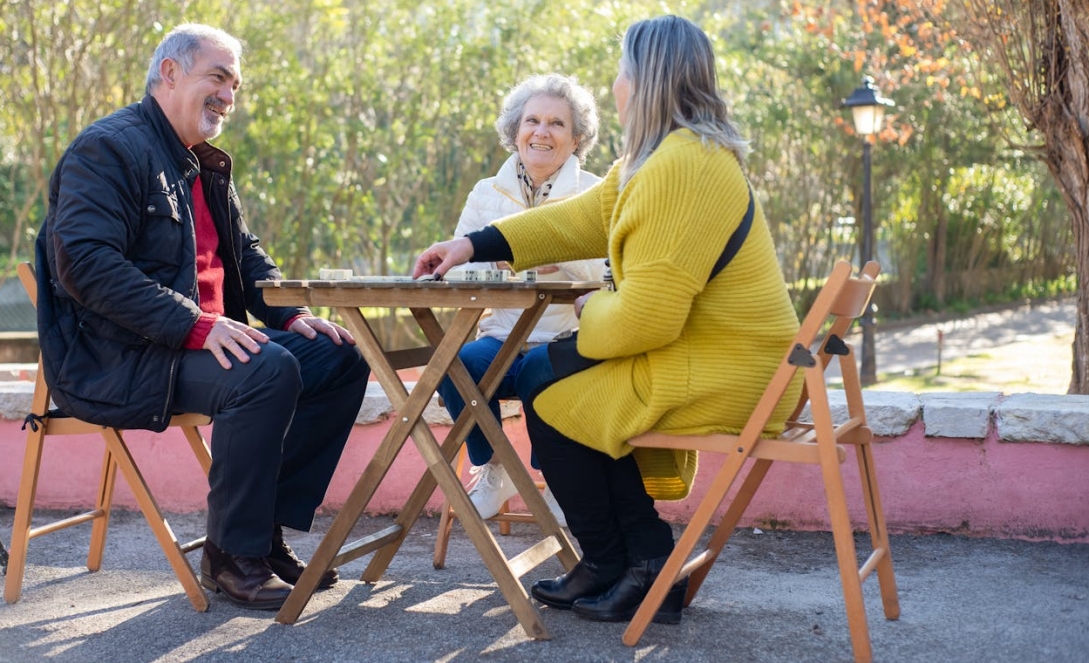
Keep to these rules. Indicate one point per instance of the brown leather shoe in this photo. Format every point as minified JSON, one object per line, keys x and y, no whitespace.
{"x":245,"y":581}
{"x":284,"y":563}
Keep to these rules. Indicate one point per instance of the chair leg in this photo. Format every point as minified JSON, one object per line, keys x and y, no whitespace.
{"x":727,"y":525}
{"x":155,"y":519}
{"x":442,"y":538}
{"x":446,"y":520}
{"x":24,"y":511}
{"x":879,"y":534}
{"x":716,"y":492}
{"x":504,"y":525}
{"x":103,"y":505}
{"x":840,"y":518}
{"x":199,"y":446}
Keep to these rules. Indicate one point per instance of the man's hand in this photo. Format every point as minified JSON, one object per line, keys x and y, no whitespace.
{"x":311,"y":325}
{"x":442,"y":257}
{"x":240,"y":340}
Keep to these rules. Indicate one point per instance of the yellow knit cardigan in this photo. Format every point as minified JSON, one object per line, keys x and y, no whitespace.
{"x":682,"y":355}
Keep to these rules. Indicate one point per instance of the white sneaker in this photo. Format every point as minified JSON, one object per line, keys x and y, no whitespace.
{"x":554,"y":506}
{"x":490,"y":488}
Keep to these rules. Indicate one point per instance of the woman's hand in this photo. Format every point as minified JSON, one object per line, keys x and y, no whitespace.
{"x":581,"y":302}
{"x":442,"y":257}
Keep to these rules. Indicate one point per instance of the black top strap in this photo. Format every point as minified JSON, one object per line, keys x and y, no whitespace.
{"x":736,"y":240}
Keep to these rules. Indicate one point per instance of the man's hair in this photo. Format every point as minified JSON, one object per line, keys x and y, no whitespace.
{"x":671,"y":66}
{"x":182,"y":45}
{"x":583,"y":110}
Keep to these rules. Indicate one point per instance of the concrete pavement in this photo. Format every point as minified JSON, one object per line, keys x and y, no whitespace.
{"x":773,"y":597}
{"x":912,"y":345}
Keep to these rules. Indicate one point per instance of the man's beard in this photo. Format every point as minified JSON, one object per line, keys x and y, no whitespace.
{"x":210,"y":128}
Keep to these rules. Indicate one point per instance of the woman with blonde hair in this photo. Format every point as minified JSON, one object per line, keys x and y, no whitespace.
{"x":696,"y":325}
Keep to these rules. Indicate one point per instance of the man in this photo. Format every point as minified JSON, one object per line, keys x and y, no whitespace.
{"x":146,"y":274}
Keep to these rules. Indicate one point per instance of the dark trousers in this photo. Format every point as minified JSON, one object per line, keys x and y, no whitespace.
{"x":280,"y":422}
{"x":606,"y":504}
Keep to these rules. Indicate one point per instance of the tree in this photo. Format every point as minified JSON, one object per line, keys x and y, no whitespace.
{"x":1042,"y":46}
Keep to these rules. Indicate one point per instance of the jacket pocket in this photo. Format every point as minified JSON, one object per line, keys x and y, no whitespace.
{"x":162,"y":246}
{"x":163,"y":205}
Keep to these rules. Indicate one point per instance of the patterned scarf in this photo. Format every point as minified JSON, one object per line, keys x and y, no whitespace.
{"x":534,"y":198}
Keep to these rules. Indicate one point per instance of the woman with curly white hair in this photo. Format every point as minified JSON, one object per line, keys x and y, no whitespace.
{"x":549,"y":124}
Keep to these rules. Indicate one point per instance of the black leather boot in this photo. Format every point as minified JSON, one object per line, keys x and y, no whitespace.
{"x":620,"y":602}
{"x":587,"y":579}
{"x":285,"y":564}
{"x":245,"y":581}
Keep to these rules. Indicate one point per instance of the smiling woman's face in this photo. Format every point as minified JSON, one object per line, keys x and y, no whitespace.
{"x":546,"y":136}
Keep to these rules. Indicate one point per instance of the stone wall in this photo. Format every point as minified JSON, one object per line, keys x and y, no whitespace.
{"x":982,"y":464}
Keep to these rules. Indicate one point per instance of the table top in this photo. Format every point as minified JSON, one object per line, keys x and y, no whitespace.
{"x":403,"y":291}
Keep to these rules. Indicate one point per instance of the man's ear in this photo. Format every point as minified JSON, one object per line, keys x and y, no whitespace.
{"x":168,"y":71}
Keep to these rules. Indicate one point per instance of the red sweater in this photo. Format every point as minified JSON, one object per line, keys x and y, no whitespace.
{"x":209,"y":270}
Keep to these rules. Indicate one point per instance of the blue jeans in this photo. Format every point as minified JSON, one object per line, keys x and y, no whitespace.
{"x":477,"y":356}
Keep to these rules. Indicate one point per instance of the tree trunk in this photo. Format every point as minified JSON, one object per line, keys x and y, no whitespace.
{"x":1043,"y":48}
{"x":1067,"y":119}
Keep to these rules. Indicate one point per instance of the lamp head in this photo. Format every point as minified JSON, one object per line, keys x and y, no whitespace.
{"x":868,"y":107}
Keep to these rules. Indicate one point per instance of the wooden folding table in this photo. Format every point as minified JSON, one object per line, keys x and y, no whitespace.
{"x":439,"y":357}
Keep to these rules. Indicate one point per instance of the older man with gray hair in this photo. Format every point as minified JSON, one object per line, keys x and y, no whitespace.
{"x":146,"y":280}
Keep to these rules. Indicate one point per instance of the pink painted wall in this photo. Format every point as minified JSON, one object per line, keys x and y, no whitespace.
{"x":988,"y":488}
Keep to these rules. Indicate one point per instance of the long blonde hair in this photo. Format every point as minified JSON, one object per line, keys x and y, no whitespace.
{"x":671,"y":66}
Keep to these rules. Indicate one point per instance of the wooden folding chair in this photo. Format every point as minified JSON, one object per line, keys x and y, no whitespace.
{"x":842,"y":299}
{"x":44,"y":422}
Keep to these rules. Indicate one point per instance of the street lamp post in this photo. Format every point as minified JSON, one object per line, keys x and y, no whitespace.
{"x":868,"y":108}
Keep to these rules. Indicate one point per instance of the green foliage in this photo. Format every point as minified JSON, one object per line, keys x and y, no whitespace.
{"x":363,"y":124}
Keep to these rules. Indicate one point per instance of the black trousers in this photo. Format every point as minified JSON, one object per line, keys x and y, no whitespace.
{"x":280,"y":422}
{"x":606,"y":504}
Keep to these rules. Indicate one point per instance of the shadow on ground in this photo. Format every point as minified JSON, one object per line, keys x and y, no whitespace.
{"x":772,"y":597}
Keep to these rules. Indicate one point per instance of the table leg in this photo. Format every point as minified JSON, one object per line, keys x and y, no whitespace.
{"x":476,"y":410}
{"x":410,"y":407}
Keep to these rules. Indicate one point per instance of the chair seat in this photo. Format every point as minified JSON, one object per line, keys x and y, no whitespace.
{"x":65,"y":425}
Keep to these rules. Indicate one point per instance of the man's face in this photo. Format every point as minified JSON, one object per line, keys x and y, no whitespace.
{"x":197,"y":102}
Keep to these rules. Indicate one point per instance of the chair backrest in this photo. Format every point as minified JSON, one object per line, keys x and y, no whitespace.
{"x":841,"y":300}
{"x":30,"y":283}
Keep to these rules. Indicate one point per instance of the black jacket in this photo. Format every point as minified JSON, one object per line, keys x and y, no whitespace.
{"x":116,"y":267}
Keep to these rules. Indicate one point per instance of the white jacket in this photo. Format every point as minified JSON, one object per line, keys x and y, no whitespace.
{"x":496,"y":197}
